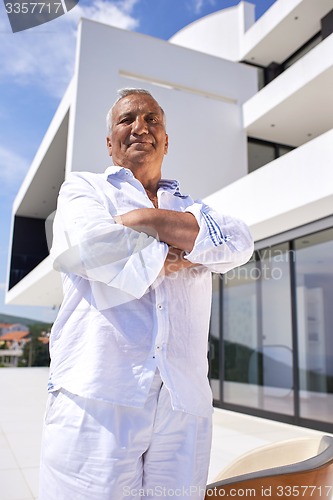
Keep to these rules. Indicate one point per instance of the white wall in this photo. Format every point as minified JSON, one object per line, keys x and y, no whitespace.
{"x":201,"y":94}
{"x":220,"y":33}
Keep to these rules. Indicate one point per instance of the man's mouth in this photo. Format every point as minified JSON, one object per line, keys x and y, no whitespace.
{"x":140,"y":145}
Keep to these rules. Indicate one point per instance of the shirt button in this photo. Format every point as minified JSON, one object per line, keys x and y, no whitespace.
{"x":159,"y":307}
{"x":158,"y":347}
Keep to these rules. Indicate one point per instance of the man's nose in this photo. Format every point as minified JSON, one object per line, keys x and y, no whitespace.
{"x":140,"y":126}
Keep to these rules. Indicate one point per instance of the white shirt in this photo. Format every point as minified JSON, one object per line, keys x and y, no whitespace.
{"x":121,"y":318}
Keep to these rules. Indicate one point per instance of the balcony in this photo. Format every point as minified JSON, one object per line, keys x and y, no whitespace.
{"x":285,"y":27}
{"x":41,"y":287}
{"x":297,"y":106}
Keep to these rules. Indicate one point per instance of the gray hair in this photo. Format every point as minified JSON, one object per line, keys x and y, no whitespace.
{"x":124,"y":93}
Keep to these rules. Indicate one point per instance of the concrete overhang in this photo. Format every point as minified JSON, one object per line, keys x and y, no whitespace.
{"x":38,"y":193}
{"x":37,"y":199}
{"x":298,"y":105}
{"x":41,"y":287}
{"x":282,"y":30}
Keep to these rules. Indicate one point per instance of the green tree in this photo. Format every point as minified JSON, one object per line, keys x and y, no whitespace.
{"x":35,"y":352}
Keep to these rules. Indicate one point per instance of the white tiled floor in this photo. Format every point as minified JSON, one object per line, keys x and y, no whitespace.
{"x":22,"y":403}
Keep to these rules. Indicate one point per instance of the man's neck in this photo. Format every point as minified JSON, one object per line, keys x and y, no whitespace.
{"x":148,"y":178}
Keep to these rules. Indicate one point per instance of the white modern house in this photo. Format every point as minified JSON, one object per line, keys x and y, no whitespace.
{"x":249,"y":108}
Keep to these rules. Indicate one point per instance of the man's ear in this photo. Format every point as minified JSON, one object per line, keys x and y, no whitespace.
{"x":166,"y":146}
{"x":109,"y":145}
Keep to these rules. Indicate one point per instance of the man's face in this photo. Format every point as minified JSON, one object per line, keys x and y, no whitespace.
{"x":138,"y":135}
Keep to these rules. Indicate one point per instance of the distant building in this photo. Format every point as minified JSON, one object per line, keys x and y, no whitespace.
{"x":12,"y":327}
{"x":15,"y":339}
{"x":250,"y":122}
{"x":12,"y":343}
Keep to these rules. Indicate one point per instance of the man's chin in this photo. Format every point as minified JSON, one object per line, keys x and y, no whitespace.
{"x":138,"y":154}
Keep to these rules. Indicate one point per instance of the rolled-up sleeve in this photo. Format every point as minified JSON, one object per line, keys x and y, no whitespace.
{"x":223,"y":242}
{"x":87,"y":242}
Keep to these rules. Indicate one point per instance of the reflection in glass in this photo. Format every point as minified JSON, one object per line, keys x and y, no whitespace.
{"x":239,"y":332}
{"x":257,"y":333}
{"x":283,"y":150}
{"x":259,"y":154}
{"x":314,"y":281}
{"x":214,"y":340}
{"x":262,"y":152}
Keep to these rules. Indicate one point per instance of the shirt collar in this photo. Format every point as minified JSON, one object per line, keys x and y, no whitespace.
{"x":115,"y":171}
{"x":171,"y":185}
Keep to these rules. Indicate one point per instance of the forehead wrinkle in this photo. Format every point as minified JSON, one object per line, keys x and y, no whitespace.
{"x":132,"y":104}
{"x":140,"y":104}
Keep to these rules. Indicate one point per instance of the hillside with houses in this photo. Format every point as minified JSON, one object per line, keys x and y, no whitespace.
{"x":23,"y":342}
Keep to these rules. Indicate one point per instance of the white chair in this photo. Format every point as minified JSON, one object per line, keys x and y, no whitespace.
{"x":300,"y":467}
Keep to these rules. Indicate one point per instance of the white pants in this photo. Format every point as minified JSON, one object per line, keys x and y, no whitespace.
{"x":98,"y":451}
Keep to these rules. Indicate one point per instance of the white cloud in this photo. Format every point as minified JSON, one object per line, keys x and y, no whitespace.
{"x":116,"y":14}
{"x":199,"y":4}
{"x":44,"y":56}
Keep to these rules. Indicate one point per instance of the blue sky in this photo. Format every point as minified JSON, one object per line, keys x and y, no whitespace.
{"x":35,"y":68}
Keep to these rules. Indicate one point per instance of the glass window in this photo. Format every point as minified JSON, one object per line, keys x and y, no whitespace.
{"x":304,"y":50}
{"x":314,"y":292}
{"x":275,"y":330}
{"x":259,"y":154}
{"x":252,"y":364}
{"x":261,"y":78}
{"x":215,"y":340}
{"x":239,"y":319}
{"x":257,"y":331}
{"x":282,"y":150}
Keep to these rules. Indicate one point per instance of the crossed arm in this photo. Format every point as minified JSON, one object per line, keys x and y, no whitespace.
{"x":178,"y":229}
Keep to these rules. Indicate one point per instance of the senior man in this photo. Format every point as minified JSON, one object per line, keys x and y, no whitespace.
{"x":129,"y":410}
